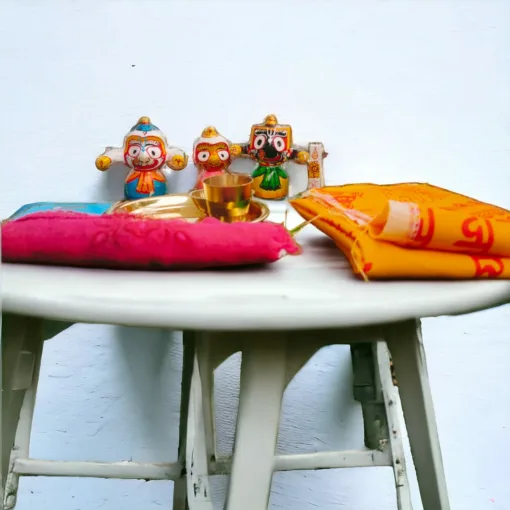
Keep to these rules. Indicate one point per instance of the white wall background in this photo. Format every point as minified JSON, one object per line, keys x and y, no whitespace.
{"x":397,"y":90}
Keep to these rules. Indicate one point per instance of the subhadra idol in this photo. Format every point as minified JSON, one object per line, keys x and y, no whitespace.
{"x":146,"y":152}
{"x":211,"y":155}
{"x":270,"y":146}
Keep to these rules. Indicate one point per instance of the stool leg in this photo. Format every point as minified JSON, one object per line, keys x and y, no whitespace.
{"x":188,"y":355}
{"x":368,"y":393}
{"x":197,"y":462}
{"x":22,"y":345}
{"x":406,"y":347}
{"x":263,"y":379}
{"x":391,"y":403}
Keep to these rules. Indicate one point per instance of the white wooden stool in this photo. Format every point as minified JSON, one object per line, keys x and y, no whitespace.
{"x":269,"y":361}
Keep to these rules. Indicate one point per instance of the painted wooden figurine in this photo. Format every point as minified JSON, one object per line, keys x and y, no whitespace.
{"x":146,"y":152}
{"x":211,"y":155}
{"x":270,"y":145}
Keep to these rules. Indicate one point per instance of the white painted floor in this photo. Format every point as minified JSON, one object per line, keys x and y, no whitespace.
{"x":413,"y":90}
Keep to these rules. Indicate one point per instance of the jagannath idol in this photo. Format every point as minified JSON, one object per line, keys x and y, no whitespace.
{"x":146,"y":152}
{"x":271,"y":146}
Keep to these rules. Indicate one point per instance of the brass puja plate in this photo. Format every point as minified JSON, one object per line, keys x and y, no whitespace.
{"x":181,"y":206}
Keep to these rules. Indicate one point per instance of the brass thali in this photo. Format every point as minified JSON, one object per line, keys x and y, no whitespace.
{"x":189,"y":207}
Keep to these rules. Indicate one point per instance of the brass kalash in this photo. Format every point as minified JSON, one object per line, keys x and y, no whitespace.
{"x":226,"y":197}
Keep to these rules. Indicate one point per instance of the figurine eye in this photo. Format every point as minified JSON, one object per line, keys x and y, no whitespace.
{"x":154,"y":152}
{"x":223,"y":155}
{"x":279,"y":143}
{"x":259,"y":141}
{"x":134,"y":150}
{"x":203,"y":156}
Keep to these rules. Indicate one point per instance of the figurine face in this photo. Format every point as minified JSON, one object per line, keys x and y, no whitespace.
{"x":212,"y":156}
{"x":144,"y":153}
{"x":270,"y":145}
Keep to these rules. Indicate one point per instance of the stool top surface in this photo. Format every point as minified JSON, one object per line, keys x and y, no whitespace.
{"x":312,"y":291}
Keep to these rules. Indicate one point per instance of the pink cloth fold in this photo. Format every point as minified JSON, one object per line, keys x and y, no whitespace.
{"x":129,"y":242}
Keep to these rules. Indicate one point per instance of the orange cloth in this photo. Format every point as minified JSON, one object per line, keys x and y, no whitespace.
{"x":146,"y":179}
{"x":411,"y":230}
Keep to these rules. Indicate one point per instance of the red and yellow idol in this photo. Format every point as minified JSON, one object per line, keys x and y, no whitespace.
{"x":146,"y":152}
{"x":211,"y":155}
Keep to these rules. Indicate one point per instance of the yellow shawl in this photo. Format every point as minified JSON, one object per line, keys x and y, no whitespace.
{"x":411,"y":230}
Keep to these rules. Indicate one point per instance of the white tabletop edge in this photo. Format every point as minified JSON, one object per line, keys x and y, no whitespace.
{"x":318,"y":315}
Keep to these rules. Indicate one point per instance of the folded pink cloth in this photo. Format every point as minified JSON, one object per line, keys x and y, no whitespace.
{"x":130,"y":242}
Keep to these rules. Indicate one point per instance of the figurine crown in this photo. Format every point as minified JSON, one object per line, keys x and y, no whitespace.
{"x":210,"y":132}
{"x":270,"y":120}
{"x":145,"y":125}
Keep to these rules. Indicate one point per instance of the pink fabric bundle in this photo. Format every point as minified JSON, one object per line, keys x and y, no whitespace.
{"x":129,"y":242}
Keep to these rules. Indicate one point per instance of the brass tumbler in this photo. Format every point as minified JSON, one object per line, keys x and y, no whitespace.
{"x":228,"y":196}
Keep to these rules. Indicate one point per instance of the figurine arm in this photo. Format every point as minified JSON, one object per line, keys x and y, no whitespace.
{"x":239,"y":150}
{"x":299,"y":156}
{"x":176,"y":159}
{"x":110,"y":156}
